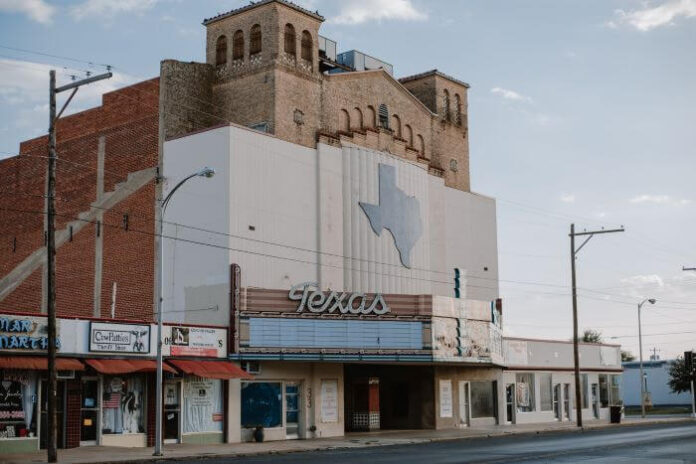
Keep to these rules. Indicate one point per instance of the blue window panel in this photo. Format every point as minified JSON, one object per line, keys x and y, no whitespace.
{"x":303,"y":333}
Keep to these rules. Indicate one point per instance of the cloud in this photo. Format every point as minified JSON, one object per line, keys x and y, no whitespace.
{"x":362,"y":11}
{"x":568,"y":198}
{"x":109,"y":8}
{"x":653,"y":17}
{"x":36,"y":10}
{"x":659,"y":200}
{"x":24,"y":93}
{"x":510,"y":94}
{"x":644,"y":280}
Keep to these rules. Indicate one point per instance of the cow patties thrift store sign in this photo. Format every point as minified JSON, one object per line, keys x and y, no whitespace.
{"x":119,"y":338}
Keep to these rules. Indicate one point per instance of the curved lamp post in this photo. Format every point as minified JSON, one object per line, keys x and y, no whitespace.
{"x":640,"y":349}
{"x":207,"y":173}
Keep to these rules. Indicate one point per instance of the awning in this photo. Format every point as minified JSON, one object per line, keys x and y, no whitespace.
{"x":211,"y":369}
{"x":126,"y":366}
{"x":39,"y":363}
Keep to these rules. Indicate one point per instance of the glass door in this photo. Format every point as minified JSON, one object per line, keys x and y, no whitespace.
{"x":557,"y":401}
{"x":292,"y":410}
{"x":89,"y":412}
{"x":595,"y":403}
{"x":566,"y":400}
{"x":172,"y":411}
{"x":60,"y":416}
{"x":464,"y":404}
{"x":510,"y":403}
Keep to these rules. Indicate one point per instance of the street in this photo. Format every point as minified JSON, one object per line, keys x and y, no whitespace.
{"x":654,"y":444}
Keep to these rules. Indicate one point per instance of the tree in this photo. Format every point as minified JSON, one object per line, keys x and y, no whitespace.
{"x":627,"y":356}
{"x":679,"y":379}
{"x":591,"y":336}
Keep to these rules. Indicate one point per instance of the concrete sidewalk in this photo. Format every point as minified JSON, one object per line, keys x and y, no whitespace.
{"x":103,"y":454}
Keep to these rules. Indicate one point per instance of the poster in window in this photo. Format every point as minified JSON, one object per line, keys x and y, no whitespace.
{"x":329,"y":400}
{"x":445,"y":398}
{"x":202,"y":405}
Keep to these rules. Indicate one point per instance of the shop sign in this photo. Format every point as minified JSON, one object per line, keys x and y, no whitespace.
{"x":315,"y":301}
{"x":119,"y":338}
{"x":195,"y":341}
{"x":24,"y":334}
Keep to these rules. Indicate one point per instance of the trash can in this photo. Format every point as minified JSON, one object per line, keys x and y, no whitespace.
{"x":615,"y":414}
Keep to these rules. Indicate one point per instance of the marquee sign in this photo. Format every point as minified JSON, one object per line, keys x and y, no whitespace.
{"x":119,"y":338}
{"x":24,"y":333}
{"x":315,"y":301}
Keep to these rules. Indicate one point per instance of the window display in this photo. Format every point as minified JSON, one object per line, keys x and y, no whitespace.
{"x":203,"y":407}
{"x":123,"y":404}
{"x":17,"y":404}
{"x":261,"y":404}
{"x":525,"y":392}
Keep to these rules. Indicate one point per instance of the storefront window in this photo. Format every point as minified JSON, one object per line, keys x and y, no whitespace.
{"x":524,"y":385}
{"x":603,"y":391}
{"x":203,"y":410}
{"x":17,"y":404}
{"x":615,"y":390}
{"x":546,"y":392}
{"x":123,"y":408}
{"x":482,"y":399}
{"x":585,"y":403}
{"x":261,"y":404}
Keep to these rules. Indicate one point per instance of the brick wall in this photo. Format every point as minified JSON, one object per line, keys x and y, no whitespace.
{"x":73,"y":413}
{"x":127,"y":122}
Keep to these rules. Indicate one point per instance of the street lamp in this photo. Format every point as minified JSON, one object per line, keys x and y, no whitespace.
{"x":207,"y":173}
{"x":640,"y":349}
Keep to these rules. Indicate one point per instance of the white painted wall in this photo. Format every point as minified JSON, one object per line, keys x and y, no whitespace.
{"x":303,"y":206}
{"x":559,"y":354}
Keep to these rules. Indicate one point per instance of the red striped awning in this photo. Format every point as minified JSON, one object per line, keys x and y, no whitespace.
{"x":211,"y":369}
{"x":39,"y":363}
{"x":126,"y":366}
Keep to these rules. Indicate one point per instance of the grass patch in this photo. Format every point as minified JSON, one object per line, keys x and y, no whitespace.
{"x":658,"y":410}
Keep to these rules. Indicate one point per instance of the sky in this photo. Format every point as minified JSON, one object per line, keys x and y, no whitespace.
{"x":580,"y":111}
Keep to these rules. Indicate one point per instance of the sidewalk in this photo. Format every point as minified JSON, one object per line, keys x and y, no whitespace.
{"x":103,"y":454}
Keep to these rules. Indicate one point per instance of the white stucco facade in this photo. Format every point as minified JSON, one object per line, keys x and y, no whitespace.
{"x":289,"y":214}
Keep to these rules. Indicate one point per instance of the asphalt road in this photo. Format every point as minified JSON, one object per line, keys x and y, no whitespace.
{"x":643,"y":444}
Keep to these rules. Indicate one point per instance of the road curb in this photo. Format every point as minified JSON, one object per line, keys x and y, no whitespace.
{"x":415,"y":441}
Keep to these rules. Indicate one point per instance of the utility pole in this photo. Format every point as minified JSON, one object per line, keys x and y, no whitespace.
{"x":576,"y":350}
{"x":692,"y":373}
{"x":52,"y":425}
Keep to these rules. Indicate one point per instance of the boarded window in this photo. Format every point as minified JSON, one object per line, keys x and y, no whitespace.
{"x":383,"y":116}
{"x":357,"y":119}
{"x":545,"y":392}
{"x":397,"y":125}
{"x":446,"y":105}
{"x":221,"y":51}
{"x":344,"y":121}
{"x":255,"y":40}
{"x":371,"y":117}
{"x":238,"y":45}
{"x":306,"y":46}
{"x":290,"y":42}
{"x":458,"y":109}
{"x":408,"y":135}
{"x":482,"y":399}
{"x":421,"y":145}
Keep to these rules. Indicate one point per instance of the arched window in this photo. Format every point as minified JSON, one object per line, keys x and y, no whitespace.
{"x":238,"y":46}
{"x":396,"y":127}
{"x":371,"y":117}
{"x":344,"y":121}
{"x":383,"y":116}
{"x":408,"y":135}
{"x":255,"y":40}
{"x":357,"y":119}
{"x":221,"y":51}
{"x":290,"y":40}
{"x":306,"y":46}
{"x":458,"y":109}
{"x":421,"y":145}
{"x":446,"y":105}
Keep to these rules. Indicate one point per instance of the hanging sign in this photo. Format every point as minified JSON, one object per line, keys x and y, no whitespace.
{"x":25,"y":333}
{"x":119,"y":338}
{"x":315,"y":301}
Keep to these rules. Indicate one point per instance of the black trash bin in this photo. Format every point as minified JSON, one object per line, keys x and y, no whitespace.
{"x":615,"y":414}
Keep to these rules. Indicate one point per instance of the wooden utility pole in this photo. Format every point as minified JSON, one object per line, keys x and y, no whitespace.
{"x":52,"y":423}
{"x":576,"y":349}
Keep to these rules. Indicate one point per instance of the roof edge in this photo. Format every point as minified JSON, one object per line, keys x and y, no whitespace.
{"x":433,"y":72}
{"x":252,"y":5}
